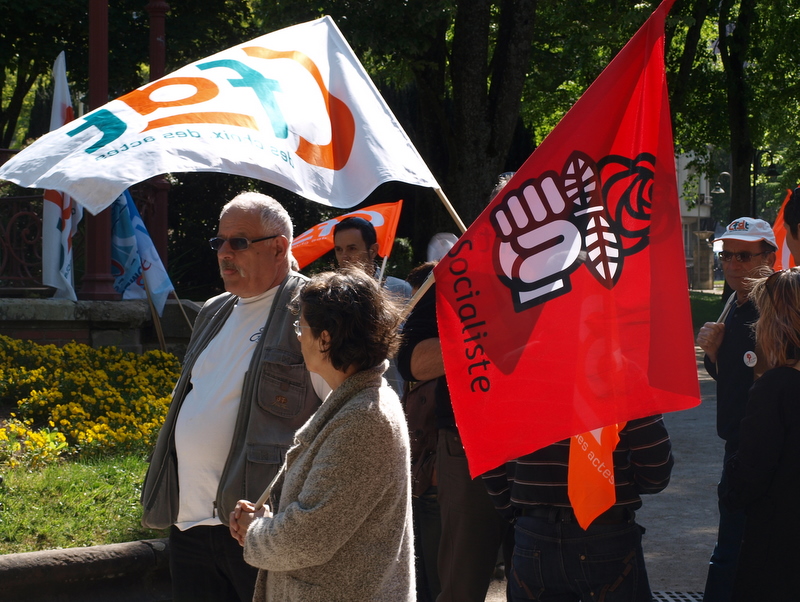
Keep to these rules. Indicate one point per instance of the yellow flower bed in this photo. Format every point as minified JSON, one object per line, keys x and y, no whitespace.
{"x":80,"y":401}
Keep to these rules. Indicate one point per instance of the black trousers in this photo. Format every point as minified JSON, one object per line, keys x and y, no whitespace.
{"x":207,"y":565}
{"x":472,"y":530}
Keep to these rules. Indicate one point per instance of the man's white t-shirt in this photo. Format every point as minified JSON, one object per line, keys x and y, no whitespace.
{"x":205,"y":425}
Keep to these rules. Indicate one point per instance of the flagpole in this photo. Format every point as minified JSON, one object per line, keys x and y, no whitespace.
{"x":430,"y":279}
{"x":383,"y":269}
{"x":154,"y":313}
{"x":450,"y":209}
{"x":183,"y":311}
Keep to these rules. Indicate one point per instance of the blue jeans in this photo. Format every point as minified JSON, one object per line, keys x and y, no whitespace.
{"x":557,"y":561}
{"x":207,"y":565}
{"x":722,"y":566}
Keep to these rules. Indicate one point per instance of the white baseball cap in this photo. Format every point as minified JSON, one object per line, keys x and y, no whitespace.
{"x":749,"y":229}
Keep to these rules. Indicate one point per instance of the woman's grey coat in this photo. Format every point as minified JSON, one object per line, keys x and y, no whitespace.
{"x":343,"y":530}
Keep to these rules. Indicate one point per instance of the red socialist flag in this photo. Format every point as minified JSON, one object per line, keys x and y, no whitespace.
{"x":564,"y":307}
{"x":314,"y":243}
{"x":785,"y":259}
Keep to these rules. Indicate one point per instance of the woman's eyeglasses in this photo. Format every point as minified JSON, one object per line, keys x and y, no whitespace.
{"x":237,"y":243}
{"x":298,"y":328}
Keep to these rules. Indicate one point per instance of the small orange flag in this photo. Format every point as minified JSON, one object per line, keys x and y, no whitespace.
{"x":314,"y":243}
{"x":784,"y":256}
{"x":590,"y":480}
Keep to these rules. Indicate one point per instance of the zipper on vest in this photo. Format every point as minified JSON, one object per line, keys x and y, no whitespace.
{"x":214,"y":509}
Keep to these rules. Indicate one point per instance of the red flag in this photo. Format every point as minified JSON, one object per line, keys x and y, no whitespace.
{"x":564,"y":307}
{"x":784,"y":255}
{"x":314,"y":243}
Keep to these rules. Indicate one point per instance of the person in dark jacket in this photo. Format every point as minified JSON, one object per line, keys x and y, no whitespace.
{"x":763,"y":474}
{"x":748,"y":245}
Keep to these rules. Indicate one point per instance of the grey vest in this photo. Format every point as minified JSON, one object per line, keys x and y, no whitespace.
{"x":277,"y":398}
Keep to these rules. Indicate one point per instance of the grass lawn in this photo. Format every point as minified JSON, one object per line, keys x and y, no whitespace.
{"x":72,"y":504}
{"x":706,"y":307}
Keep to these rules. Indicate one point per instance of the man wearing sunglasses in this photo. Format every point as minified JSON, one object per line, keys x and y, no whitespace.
{"x":242,"y":394}
{"x":748,"y":250}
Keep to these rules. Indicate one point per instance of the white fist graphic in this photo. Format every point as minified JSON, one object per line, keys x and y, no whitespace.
{"x":538,"y":246}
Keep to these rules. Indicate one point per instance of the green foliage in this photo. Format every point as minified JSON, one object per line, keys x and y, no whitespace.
{"x":72,"y":504}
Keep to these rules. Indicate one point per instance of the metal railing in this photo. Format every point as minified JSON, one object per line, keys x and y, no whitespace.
{"x":21,"y":241}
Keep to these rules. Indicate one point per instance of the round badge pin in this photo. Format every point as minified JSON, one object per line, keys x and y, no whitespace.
{"x":750,"y":359}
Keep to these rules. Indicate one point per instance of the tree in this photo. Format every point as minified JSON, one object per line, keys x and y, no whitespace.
{"x":747,"y":65}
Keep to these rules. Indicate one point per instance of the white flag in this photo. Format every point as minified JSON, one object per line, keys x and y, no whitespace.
{"x":134,"y":258}
{"x":294,"y":107}
{"x":60,"y":213}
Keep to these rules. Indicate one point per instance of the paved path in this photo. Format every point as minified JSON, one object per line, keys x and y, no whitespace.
{"x":681,"y":521}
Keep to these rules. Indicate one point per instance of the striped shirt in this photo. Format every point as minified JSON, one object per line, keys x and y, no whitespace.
{"x":642,"y":464}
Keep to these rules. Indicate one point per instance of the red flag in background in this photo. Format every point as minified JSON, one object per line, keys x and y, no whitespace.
{"x":564,"y":307}
{"x":314,"y":243}
{"x":784,"y":256}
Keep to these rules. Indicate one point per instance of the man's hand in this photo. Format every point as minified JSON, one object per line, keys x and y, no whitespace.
{"x":243,"y":514}
{"x":710,"y":338}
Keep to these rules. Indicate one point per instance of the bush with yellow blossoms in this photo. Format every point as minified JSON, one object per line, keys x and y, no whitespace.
{"x":80,"y":401}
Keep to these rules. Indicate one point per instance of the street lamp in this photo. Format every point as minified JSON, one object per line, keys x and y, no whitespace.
{"x":718,"y":189}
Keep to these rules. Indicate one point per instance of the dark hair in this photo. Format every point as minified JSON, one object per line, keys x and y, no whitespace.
{"x":419,"y":274}
{"x":362,"y":225}
{"x":791,"y":214}
{"x":359,"y":315}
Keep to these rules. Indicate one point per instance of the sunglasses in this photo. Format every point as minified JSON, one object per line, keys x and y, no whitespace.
{"x":237,"y":243}
{"x":743,"y":257}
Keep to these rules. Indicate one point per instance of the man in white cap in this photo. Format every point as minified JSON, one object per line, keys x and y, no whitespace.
{"x":748,"y":250}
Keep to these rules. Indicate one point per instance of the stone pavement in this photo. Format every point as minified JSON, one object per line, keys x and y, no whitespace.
{"x":681,"y":521}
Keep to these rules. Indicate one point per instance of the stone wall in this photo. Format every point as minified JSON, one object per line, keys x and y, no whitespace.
{"x":124,"y":324}
{"x":137,"y":571}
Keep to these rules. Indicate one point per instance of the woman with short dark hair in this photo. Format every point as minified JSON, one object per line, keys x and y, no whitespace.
{"x":763,"y":475}
{"x":342,"y":529}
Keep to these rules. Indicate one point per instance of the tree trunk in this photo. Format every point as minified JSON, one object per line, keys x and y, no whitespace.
{"x":734,"y":46}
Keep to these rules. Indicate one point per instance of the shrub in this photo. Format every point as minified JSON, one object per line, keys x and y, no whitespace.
{"x":93,"y":401}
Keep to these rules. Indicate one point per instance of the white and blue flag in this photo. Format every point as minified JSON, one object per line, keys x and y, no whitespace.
{"x":134,"y":257}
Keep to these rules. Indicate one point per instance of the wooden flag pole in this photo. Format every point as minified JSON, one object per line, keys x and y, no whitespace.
{"x":154,"y":313}
{"x":382,"y":272}
{"x":430,"y":279}
{"x":183,"y":311}
{"x":450,"y":209}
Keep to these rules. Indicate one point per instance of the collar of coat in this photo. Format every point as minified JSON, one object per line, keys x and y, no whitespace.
{"x":365,"y":379}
